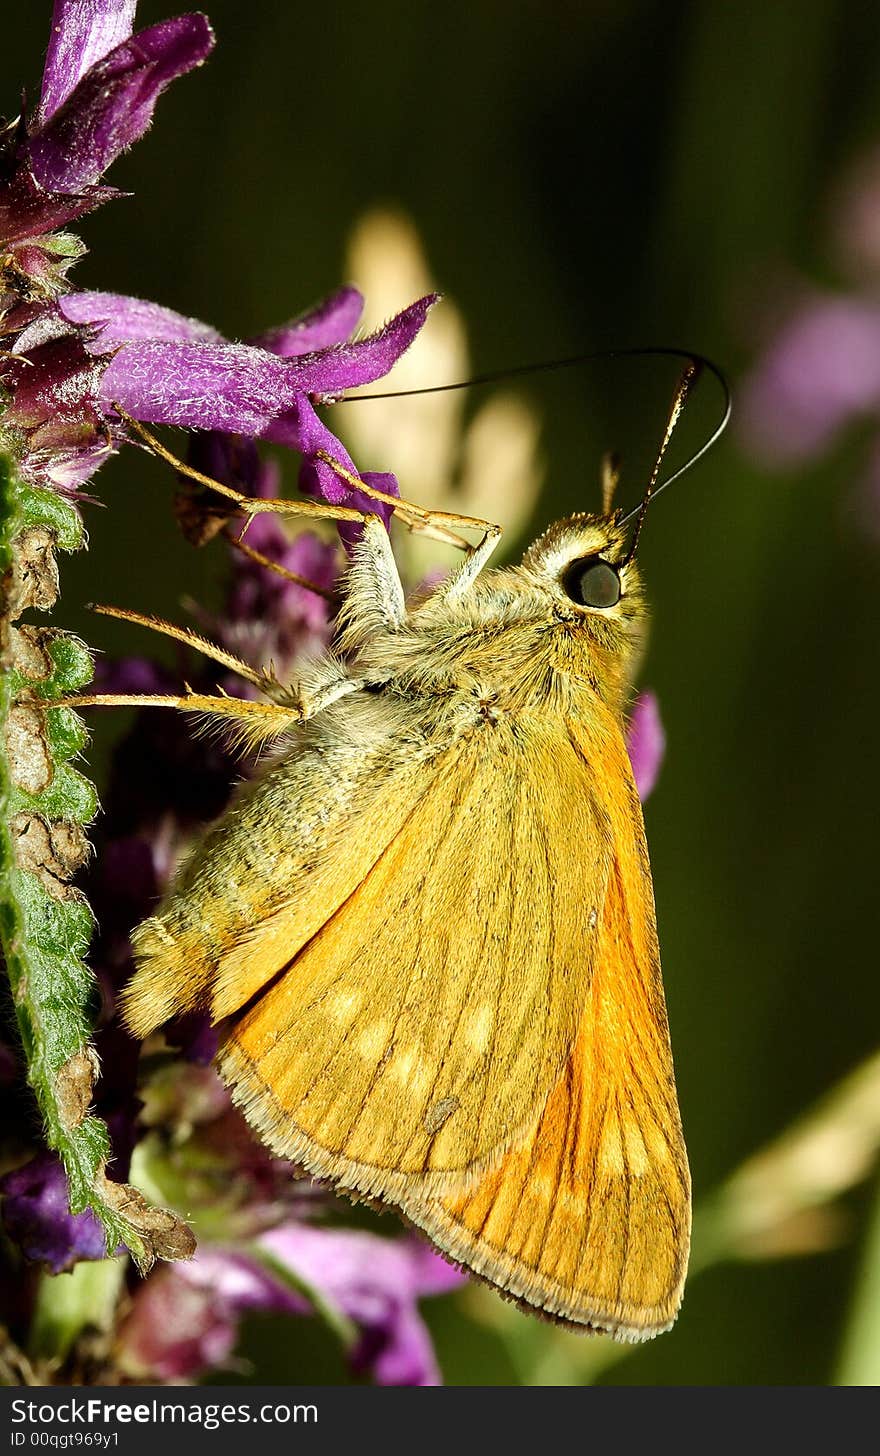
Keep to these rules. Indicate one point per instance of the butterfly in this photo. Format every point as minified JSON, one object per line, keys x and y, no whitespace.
{"x":427,"y":928}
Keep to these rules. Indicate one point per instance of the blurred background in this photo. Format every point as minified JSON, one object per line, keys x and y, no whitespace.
{"x":576,"y":177}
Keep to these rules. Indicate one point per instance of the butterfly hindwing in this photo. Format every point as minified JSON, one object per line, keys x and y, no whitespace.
{"x":588,"y":1219}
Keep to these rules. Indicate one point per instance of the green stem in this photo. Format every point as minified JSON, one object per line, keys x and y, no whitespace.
{"x":45,"y":923}
{"x":860,"y":1356}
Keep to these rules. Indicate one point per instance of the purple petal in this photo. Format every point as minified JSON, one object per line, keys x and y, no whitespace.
{"x":36,"y":1215}
{"x":240,"y":389}
{"x":331,"y":322}
{"x":119,"y":319}
{"x":242,"y":1283}
{"x":400,"y":1353}
{"x":112,"y":105}
{"x":53,"y":392}
{"x":380,"y":480}
{"x":27,"y":210}
{"x":55,"y":385}
{"x":430,"y":1273}
{"x":376,"y":1282}
{"x":347,"y":366}
{"x":821,"y":371}
{"x":230,"y":387}
{"x":65,"y":466}
{"x":83,"y":32}
{"x":646,"y":743}
{"x":304,"y":431}
{"x":52,"y":384}
{"x":235,"y":389}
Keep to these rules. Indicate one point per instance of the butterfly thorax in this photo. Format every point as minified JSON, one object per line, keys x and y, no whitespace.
{"x":516,"y":641}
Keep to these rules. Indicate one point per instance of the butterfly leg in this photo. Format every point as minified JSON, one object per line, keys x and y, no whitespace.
{"x":260,"y":560}
{"x":299,"y":699}
{"x":437,"y":524}
{"x":465,"y":574}
{"x":265,"y":681}
{"x":252,"y":723}
{"x":250,"y":505}
{"x":373,"y":593}
{"x":259,"y":721}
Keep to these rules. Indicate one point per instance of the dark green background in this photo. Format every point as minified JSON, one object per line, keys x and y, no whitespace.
{"x":586,"y":175}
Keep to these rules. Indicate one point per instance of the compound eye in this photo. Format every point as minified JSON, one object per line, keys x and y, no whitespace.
{"x":593,"y":583}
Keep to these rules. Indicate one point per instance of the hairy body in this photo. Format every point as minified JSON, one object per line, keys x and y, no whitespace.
{"x":429,"y":930}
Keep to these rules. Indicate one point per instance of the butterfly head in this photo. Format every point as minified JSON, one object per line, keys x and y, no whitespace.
{"x":583,"y":564}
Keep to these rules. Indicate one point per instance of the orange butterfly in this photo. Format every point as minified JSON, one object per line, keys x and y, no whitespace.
{"x":429,"y":930}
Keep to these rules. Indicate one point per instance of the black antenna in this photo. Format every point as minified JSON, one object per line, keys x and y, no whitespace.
{"x":689,"y":376}
{"x":698,"y":362}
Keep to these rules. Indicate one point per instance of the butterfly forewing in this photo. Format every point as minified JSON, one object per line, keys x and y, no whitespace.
{"x":419,"y":1033}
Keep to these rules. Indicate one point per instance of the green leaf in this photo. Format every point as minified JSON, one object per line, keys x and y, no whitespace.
{"x":45,"y":923}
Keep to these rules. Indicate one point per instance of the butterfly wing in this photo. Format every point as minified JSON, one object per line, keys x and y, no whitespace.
{"x":588,"y":1219}
{"x":292,"y":848}
{"x":419,"y":1032}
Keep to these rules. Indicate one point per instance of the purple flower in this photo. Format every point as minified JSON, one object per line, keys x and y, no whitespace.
{"x":52,"y":383}
{"x":100,"y":86}
{"x":167,"y":369}
{"x":67,"y":365}
{"x":821,"y":372}
{"x":36,"y":1216}
{"x":646,"y":743}
{"x":373,"y":1282}
{"x":329,"y":322}
{"x":70,"y":367}
{"x":69,"y":360}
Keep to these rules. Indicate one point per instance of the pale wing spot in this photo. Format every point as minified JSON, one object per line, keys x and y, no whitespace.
{"x":636,"y":1152}
{"x":344,"y":1006}
{"x":420,"y":1078}
{"x":611,"y":1147}
{"x":152,"y":934}
{"x":373,"y":1040}
{"x":478,"y":1031}
{"x":657,"y":1146}
{"x":401,"y":1066}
